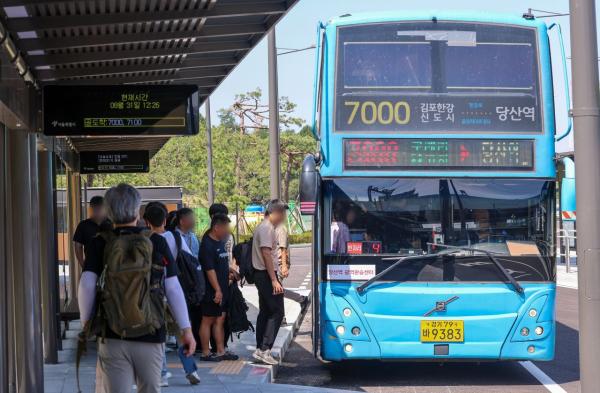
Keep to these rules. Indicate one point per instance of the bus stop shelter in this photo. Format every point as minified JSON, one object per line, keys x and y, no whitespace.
{"x":86,"y":42}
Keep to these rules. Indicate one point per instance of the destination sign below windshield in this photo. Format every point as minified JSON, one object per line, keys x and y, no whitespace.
{"x":437,"y":112}
{"x":444,"y":154}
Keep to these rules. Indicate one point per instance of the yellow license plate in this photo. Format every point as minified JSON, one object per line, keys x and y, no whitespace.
{"x":443,"y":331}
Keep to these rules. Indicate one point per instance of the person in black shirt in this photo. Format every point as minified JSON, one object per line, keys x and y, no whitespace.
{"x":87,"y":229}
{"x":124,"y":361}
{"x":215,"y":263}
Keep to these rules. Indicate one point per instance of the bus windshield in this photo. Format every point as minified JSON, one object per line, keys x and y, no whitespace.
{"x":409,"y":216}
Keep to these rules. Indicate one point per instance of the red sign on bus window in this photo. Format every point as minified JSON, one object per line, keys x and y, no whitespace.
{"x":357,"y":248}
{"x":354,"y":248}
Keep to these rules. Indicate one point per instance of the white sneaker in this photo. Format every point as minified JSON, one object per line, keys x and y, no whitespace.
{"x":265,"y":357}
{"x":193,"y":377}
{"x":164,"y":380}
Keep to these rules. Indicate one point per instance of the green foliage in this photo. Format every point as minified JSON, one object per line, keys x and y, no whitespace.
{"x":300,"y":238}
{"x":240,"y":145}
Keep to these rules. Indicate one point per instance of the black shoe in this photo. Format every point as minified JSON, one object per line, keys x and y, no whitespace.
{"x":230,"y":356}
{"x":211,"y":358}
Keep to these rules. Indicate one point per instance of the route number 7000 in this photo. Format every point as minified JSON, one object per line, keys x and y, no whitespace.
{"x":384,"y":112}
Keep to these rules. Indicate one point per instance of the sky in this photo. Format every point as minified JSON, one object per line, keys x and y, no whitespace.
{"x":298,"y":30}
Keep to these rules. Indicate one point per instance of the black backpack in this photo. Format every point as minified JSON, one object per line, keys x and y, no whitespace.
{"x":243,"y":255}
{"x":190,"y":274}
{"x":236,"y":314}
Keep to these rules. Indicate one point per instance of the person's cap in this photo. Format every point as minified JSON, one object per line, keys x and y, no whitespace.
{"x":276,"y":205}
{"x":96,"y":201}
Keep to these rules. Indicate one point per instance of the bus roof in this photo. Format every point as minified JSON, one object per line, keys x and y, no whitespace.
{"x":464,"y":16}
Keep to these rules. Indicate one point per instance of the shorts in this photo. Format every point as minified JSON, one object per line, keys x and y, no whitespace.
{"x":212,"y":309}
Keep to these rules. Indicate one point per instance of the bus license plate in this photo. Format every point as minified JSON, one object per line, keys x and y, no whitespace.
{"x":443,"y":331}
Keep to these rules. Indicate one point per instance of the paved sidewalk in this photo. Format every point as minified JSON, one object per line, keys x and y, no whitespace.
{"x":238,"y":376}
{"x":564,"y":279}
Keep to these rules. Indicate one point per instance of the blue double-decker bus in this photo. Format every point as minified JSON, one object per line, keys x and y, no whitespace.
{"x":433,"y":191}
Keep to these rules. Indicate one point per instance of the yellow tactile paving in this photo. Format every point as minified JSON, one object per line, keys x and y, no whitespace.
{"x":228,"y":367}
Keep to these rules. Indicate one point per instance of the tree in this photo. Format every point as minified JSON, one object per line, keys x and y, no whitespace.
{"x":251,"y":117}
{"x":240,"y":156}
{"x":294,"y":146}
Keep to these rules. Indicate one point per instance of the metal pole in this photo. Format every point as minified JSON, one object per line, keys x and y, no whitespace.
{"x":48,"y":258}
{"x":5,"y":318}
{"x":209,"y":155}
{"x":586,"y":112}
{"x":274,"y":118}
{"x":27,"y":313}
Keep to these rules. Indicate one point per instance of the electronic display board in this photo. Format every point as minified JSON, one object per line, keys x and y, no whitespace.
{"x":437,"y":113}
{"x":130,"y":161}
{"x":439,"y":154}
{"x":120,"y":110}
{"x":437,"y":76}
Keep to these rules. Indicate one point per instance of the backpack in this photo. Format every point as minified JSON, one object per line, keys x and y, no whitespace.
{"x":236,"y":313}
{"x":131,"y":290}
{"x":242,"y":253}
{"x":190,"y":274}
{"x":130,"y":295}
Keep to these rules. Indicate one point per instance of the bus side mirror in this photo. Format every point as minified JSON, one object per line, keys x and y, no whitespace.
{"x":309,"y":186}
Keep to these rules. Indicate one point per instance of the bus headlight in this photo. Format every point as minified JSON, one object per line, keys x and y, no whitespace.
{"x":340,"y":330}
{"x":524,"y":332}
{"x":347,"y":312}
{"x":348,"y":347}
{"x":539,"y":330}
{"x":533,"y":313}
{"x":356,"y":331}
{"x":531,"y":349}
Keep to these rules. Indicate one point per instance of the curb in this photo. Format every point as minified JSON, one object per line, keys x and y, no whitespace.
{"x":300,"y":245}
{"x":285,"y":336}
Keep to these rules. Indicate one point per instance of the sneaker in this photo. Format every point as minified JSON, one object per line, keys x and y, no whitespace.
{"x":193,"y":377}
{"x":164,"y":382}
{"x":265,"y":357}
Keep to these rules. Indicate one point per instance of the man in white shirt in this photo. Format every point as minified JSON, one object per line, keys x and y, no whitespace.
{"x":270,"y":291}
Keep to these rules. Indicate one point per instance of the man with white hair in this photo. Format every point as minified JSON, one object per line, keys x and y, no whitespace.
{"x":136,"y":272}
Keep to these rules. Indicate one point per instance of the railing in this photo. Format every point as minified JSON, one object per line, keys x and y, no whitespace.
{"x":566,"y":240}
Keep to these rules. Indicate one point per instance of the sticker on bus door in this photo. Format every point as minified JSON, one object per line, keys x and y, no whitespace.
{"x":350,"y":272}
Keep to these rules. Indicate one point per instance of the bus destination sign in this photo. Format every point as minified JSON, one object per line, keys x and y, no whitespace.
{"x":437,"y":113}
{"x":131,"y":161}
{"x":120,"y":110}
{"x":445,"y":154}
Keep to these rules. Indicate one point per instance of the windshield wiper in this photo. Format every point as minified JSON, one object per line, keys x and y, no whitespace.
{"x":492,"y":258}
{"x":376,"y":277}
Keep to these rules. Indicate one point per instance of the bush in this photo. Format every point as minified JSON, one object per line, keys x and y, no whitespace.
{"x":300,"y":238}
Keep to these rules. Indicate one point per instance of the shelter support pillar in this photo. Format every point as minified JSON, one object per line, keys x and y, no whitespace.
{"x":6,"y":344}
{"x":274,"y":118}
{"x":74,"y":216}
{"x":22,"y":219}
{"x":48,"y":257}
{"x":586,"y":116}
{"x":209,"y":155}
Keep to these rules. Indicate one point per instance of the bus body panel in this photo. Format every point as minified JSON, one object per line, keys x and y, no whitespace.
{"x":389,"y":315}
